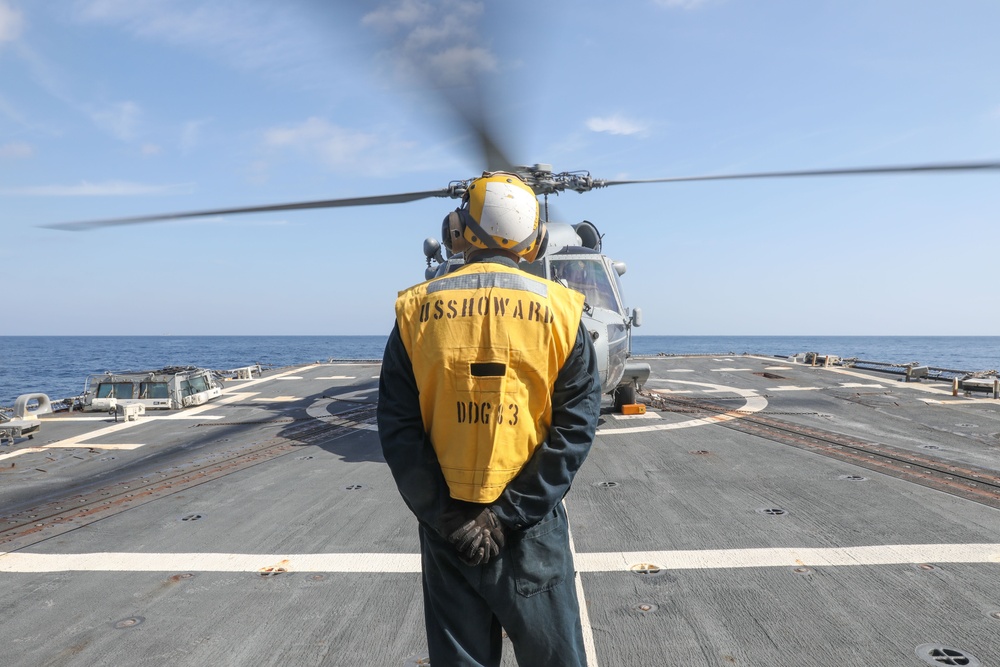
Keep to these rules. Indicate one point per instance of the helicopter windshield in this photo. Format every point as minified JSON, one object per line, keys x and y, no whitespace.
{"x":588,"y":276}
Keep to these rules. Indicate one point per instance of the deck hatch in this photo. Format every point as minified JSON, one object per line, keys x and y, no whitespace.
{"x":772,"y":511}
{"x":939,"y":654}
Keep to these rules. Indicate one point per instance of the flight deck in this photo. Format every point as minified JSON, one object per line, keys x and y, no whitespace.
{"x":760,"y":512}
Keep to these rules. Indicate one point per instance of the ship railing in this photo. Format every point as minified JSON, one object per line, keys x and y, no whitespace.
{"x":915,"y":369}
{"x":242,"y":373}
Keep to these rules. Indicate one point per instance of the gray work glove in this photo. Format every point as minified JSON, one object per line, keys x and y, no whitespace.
{"x":477,"y":535}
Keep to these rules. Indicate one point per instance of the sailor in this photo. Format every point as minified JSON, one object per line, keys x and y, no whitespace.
{"x":488,"y":403}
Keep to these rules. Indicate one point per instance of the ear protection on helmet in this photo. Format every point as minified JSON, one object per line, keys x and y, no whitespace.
{"x":453,"y":231}
{"x":541,"y":244}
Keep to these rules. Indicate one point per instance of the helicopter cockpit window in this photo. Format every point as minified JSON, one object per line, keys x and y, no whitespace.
{"x":588,"y":276}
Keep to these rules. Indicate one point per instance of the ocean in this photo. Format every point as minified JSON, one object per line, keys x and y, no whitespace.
{"x":59,"y":365}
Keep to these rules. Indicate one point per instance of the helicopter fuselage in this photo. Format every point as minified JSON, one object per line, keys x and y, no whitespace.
{"x":574,"y":260}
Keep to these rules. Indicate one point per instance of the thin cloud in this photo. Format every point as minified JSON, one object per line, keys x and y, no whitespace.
{"x":317,"y":135}
{"x":106,"y":189}
{"x":616,"y":124}
{"x":339,"y":148}
{"x":261,"y":37}
{"x":11,"y":23}
{"x":191,"y":134}
{"x":121,"y":119}
{"x":17,"y":149}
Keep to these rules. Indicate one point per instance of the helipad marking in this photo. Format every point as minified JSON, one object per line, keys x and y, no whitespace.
{"x":644,"y":415}
{"x":77,"y":440}
{"x":616,"y":561}
{"x":82,"y":440}
{"x":318,"y":410}
{"x":359,"y":395}
{"x":753,"y":403}
{"x":182,"y":417}
{"x":196,"y":412}
{"x":26,"y":450}
{"x":199,"y":410}
{"x":250,"y":383}
{"x":719,"y":559}
{"x":589,"y":647}
{"x":120,"y":446}
{"x":914,"y":386}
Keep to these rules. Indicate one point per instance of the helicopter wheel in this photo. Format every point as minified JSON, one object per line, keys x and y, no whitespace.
{"x":624,"y":395}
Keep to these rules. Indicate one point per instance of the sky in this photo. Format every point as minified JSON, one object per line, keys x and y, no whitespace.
{"x":127,"y":107}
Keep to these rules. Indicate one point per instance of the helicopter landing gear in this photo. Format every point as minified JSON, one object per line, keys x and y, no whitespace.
{"x":624,"y":395}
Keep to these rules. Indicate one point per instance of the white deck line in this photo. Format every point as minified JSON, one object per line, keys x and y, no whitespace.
{"x":754,"y":403}
{"x":589,"y":647}
{"x":243,"y":384}
{"x":617,"y":561}
{"x":723,"y":559}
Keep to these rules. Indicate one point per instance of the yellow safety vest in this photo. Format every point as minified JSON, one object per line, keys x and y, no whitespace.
{"x":486,"y":343}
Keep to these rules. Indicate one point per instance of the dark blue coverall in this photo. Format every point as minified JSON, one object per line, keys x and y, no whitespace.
{"x":529,"y":589}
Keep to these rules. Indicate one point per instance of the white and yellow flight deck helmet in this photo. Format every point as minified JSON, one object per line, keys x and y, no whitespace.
{"x":499,"y":212}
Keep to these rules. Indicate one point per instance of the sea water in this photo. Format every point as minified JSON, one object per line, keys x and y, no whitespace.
{"x":59,"y":365}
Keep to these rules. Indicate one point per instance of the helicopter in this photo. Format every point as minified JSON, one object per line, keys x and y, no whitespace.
{"x":573,"y":257}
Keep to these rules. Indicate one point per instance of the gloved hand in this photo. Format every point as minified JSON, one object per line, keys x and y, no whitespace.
{"x":476,"y":533}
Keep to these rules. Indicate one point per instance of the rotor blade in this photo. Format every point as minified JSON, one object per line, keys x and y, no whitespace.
{"x":326,"y":203}
{"x":469,"y":108}
{"x":941,"y":167}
